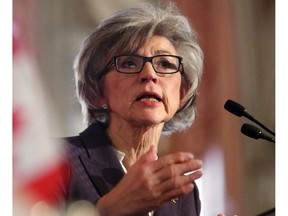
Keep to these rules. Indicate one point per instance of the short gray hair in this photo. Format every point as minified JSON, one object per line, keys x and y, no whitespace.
{"x":126,"y":32}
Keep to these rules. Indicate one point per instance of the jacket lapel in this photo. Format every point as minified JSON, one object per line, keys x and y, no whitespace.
{"x":168,"y":208}
{"x":100,"y":162}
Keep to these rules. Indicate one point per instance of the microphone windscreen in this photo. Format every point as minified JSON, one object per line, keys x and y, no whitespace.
{"x":235,"y":108}
{"x":251,"y":131}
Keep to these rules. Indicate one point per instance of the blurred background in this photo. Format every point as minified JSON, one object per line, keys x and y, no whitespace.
{"x":238,"y":40}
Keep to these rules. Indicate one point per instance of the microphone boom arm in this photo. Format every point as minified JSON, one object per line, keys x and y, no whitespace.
{"x":247,"y":115}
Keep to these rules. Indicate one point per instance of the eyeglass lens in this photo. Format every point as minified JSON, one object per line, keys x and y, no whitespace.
{"x":134,"y":64}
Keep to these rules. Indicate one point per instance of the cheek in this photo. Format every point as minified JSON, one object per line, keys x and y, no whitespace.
{"x":112,"y":92}
{"x":115,"y":92}
{"x":174,"y":95}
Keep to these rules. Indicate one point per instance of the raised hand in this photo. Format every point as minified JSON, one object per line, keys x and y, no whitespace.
{"x":149,"y":183}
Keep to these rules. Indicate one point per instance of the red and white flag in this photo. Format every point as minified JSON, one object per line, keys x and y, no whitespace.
{"x":37,"y":164}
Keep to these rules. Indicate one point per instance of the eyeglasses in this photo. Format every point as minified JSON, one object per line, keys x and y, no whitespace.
{"x":132,"y":64}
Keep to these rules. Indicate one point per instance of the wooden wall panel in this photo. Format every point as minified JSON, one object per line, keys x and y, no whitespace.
{"x":215,"y":127}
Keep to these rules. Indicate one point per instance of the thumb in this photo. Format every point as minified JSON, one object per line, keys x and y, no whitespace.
{"x":150,"y":155}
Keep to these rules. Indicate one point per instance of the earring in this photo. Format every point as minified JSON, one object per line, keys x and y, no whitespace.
{"x":105,"y":106}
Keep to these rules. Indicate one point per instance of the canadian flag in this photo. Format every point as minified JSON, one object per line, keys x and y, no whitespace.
{"x":37,"y":164}
{"x":39,"y":171}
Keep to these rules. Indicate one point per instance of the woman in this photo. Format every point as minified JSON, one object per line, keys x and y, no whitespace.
{"x":137,"y":77}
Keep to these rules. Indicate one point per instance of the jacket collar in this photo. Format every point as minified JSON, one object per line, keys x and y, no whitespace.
{"x":100,"y":162}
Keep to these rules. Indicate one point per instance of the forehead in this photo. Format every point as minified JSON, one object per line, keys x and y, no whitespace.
{"x":154,"y":44}
{"x":157,"y":45}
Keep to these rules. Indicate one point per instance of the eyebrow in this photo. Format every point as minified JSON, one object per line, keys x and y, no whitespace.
{"x":158,"y":52}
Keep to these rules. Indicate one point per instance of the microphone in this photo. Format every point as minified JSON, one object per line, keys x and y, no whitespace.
{"x":254,"y":132}
{"x":239,"y":110}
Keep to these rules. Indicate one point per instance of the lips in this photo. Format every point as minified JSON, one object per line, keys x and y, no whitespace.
{"x":149,"y":96}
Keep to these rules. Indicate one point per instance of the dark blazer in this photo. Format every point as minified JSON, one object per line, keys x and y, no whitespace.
{"x":94,"y":170}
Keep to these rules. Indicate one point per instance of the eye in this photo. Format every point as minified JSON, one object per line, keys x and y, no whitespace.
{"x":128,"y":62}
{"x":166,"y":63}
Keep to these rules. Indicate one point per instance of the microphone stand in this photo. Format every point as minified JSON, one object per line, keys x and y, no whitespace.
{"x":270,"y":212}
{"x":251,"y":131}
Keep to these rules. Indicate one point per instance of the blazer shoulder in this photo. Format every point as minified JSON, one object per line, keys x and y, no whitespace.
{"x":74,"y":140}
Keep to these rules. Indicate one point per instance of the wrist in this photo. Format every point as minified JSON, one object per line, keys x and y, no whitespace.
{"x":105,"y":207}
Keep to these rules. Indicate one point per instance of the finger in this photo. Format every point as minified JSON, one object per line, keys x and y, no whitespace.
{"x":177,"y":170}
{"x":177,"y":183}
{"x":185,"y":189}
{"x":167,"y":160}
{"x":149,"y":156}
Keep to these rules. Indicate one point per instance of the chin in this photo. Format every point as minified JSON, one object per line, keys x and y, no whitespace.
{"x":149,"y":118}
{"x":148,"y":122}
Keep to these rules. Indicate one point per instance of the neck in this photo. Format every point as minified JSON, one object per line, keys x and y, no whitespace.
{"x":134,"y":141}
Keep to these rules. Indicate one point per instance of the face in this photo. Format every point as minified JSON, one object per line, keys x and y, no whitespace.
{"x":146,"y":98}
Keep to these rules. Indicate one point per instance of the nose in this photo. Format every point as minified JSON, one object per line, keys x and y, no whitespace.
{"x":148,"y":74}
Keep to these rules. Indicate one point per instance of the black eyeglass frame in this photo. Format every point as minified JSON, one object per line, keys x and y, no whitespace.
{"x":113,"y":61}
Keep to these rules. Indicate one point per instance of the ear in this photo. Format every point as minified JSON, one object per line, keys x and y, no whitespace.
{"x":100,"y":102}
